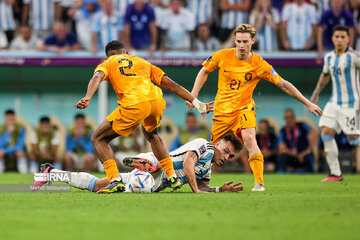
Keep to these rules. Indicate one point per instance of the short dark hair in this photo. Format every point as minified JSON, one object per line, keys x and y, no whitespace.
{"x":45,"y":119}
{"x":264,"y":121}
{"x":342,"y":28}
{"x":289,"y":110}
{"x":190,"y":114}
{"x":79,"y":116}
{"x":9,"y":112}
{"x":235,"y":141}
{"x":113,"y":45}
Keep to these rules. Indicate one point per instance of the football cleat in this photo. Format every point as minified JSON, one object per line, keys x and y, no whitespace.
{"x":113,"y":187}
{"x":332,"y":178}
{"x":44,"y":168}
{"x":175,"y":183}
{"x":140,"y":163}
{"x":258,"y":187}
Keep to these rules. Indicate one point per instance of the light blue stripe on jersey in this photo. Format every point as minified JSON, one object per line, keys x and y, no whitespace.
{"x":332,"y":95}
{"x":348,"y":81}
{"x":205,"y":159}
{"x":40,"y":15}
{"x":337,"y":80}
{"x":202,"y":174}
{"x":178,"y":165}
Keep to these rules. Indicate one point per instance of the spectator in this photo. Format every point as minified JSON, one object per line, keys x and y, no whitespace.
{"x":321,"y":6}
{"x":12,"y":144}
{"x":337,"y":15}
{"x":128,"y":146}
{"x":296,"y":141}
{"x":44,"y":144}
{"x":355,"y":10}
{"x":66,"y":6}
{"x":60,"y":40}
{"x":43,"y":14}
{"x":191,"y":131}
{"x":234,"y":13}
{"x":79,"y":149}
{"x":25,"y":41}
{"x":177,"y":22}
{"x":83,"y":13}
{"x":265,"y":19}
{"x":268,"y":143}
{"x":202,"y":9}
{"x":205,"y":42}
{"x":106,"y":26}
{"x":7,"y":23}
{"x":121,"y":6}
{"x":298,"y":25}
{"x":3,"y":41}
{"x":140,"y":30}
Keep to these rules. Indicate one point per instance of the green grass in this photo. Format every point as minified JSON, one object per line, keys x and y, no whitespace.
{"x":293,"y":207}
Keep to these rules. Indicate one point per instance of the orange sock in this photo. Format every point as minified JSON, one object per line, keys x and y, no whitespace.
{"x":257,"y":166}
{"x":111,"y":169}
{"x":168,"y":166}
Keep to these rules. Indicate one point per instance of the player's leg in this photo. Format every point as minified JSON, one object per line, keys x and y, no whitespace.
{"x":331,"y":151}
{"x":354,"y":140}
{"x":2,"y":161}
{"x":90,"y":162}
{"x":21,"y":161}
{"x":158,"y":146}
{"x":68,"y":161}
{"x":146,"y":162}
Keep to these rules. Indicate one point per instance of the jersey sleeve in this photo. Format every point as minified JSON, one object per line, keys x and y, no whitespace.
{"x":156,"y":75}
{"x":102,"y":67}
{"x":212,"y":62}
{"x":268,"y":73}
{"x":326,"y":69}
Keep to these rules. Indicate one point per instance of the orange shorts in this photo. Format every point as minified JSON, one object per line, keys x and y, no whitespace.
{"x":126,"y":119}
{"x":232,"y":124}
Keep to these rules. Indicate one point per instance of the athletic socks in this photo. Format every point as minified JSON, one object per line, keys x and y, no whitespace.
{"x":331,"y":154}
{"x":111,"y":170}
{"x":256,"y":162}
{"x":81,"y":180}
{"x":22,"y":165}
{"x":2,"y":166}
{"x":34,"y":167}
{"x":168,"y":167}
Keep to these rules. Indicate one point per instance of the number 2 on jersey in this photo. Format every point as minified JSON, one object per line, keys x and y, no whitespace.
{"x":234,"y":84}
{"x":126,"y":67}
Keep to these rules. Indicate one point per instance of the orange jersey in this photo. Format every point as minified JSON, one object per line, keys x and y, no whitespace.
{"x":131,"y":78}
{"x":238,"y":79}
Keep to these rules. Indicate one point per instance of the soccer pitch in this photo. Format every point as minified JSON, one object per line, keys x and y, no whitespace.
{"x":293,"y":207}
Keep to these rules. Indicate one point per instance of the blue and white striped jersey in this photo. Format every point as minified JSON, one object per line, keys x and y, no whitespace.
{"x":231,"y":19}
{"x":107,"y":29}
{"x":211,"y":45}
{"x":42,"y":13}
{"x":203,"y":150}
{"x":6,"y":16}
{"x":344,"y":71}
{"x":299,"y":23}
{"x":202,"y":10}
{"x":121,"y":5}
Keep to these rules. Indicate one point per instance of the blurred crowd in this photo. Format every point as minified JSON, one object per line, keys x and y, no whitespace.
{"x":293,"y":148}
{"x":182,"y":25}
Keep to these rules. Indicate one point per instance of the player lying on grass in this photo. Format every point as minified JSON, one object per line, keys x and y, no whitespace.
{"x":192,"y":163}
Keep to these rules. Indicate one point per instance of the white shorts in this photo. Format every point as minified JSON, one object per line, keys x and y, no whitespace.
{"x":341,"y":118}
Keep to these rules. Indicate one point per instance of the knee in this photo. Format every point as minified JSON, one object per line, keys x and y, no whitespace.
{"x":249,"y":141}
{"x":20,"y":154}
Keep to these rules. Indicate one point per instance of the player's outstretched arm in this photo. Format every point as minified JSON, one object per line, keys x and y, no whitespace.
{"x":227,"y":187}
{"x":169,"y":84}
{"x":199,"y":83}
{"x":292,"y":91}
{"x":322,"y":82}
{"x":92,"y":87}
{"x":189,"y":169}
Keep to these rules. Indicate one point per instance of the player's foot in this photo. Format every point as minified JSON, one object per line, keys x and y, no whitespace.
{"x":140,"y":163}
{"x":113,"y":187}
{"x":332,"y":178}
{"x":175,"y":183}
{"x":258,"y":187}
{"x":44,"y":168}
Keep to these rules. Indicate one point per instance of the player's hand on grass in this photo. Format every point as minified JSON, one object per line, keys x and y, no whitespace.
{"x":230,"y":187}
{"x":83,"y":103}
{"x":314,"y":109}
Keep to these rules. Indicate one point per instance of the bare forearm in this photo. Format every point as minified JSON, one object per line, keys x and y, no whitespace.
{"x":93,"y":85}
{"x":190,"y":176}
{"x":323,"y":81}
{"x":154,"y":35}
{"x":320,"y":32}
{"x":292,"y":91}
{"x":177,"y":89}
{"x":199,"y":81}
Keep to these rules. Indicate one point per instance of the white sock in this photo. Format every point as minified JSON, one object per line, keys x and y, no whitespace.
{"x":2,"y":166}
{"x":81,"y":180}
{"x":34,"y":167}
{"x":332,"y":153}
{"x":22,"y":165}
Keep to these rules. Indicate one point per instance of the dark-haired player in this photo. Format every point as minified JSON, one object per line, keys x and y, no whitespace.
{"x":342,"y":112}
{"x":140,"y":102}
